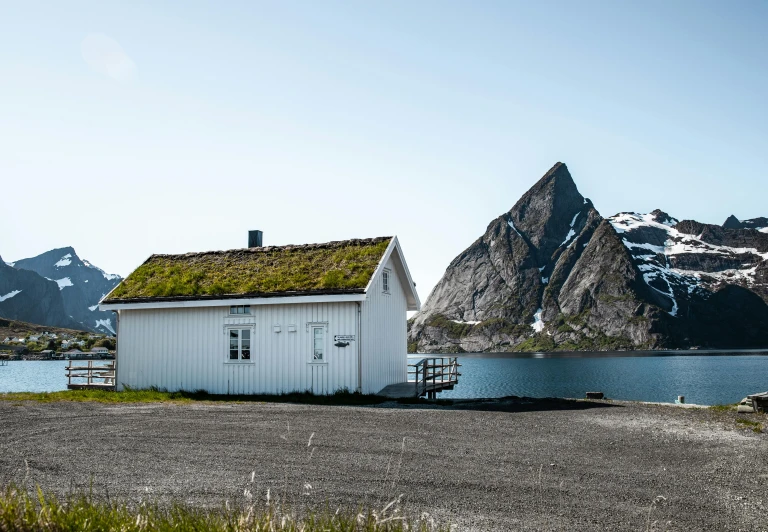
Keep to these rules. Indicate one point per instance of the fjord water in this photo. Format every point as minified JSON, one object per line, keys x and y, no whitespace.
{"x":712,"y":378}
{"x":707,"y":379}
{"x":36,"y":375}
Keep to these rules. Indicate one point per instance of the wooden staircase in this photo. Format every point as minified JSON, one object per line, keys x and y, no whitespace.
{"x":427,"y":377}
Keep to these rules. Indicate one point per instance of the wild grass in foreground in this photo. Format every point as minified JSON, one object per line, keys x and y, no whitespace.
{"x":154,"y":395}
{"x":724,"y":408}
{"x":21,"y":512}
{"x":756,"y":426}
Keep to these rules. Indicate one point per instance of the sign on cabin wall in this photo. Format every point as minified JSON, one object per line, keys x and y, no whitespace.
{"x":344,"y":338}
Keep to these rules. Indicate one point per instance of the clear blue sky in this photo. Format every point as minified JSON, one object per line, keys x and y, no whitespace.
{"x":134,"y":128}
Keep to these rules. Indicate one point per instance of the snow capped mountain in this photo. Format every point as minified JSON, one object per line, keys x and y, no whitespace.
{"x":687,"y":258}
{"x":553,"y":274}
{"x":26,"y":296}
{"x":80,"y":283}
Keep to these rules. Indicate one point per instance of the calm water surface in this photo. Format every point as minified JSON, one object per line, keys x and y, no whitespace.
{"x":715,"y":378}
{"x":38,"y":375}
{"x":703,"y":379}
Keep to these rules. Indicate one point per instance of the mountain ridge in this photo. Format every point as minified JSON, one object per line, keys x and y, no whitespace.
{"x":79,"y":286}
{"x":553,"y":273}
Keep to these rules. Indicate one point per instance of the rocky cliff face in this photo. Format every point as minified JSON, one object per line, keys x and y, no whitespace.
{"x":553,"y":274}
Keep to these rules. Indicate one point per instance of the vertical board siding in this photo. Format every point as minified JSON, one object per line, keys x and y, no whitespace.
{"x":384,"y":334}
{"x":187,"y":349}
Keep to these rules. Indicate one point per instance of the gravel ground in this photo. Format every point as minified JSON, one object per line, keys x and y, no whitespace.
{"x":503,"y":465}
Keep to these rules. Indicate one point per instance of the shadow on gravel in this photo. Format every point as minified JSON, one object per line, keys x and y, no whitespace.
{"x":503,"y":404}
{"x":340,"y":398}
{"x":344,"y":398}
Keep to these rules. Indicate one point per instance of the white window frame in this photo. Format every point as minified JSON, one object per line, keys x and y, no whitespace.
{"x":312,"y":327}
{"x":386,"y":281}
{"x":246,"y":310}
{"x":240,"y":360}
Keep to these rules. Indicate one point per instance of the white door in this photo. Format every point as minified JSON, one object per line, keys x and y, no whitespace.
{"x":319,"y":361}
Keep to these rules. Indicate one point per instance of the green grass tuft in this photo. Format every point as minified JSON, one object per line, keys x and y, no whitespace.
{"x":153,"y":395}
{"x":451,"y":328}
{"x":756,"y":426}
{"x":724,"y":408}
{"x":24,"y":513}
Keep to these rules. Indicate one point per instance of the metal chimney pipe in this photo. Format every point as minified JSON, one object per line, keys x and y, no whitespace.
{"x":254,"y":238}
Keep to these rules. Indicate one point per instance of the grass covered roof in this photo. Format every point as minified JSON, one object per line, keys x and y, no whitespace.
{"x":334,"y":267}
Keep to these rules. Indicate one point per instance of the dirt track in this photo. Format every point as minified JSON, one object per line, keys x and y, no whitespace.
{"x":499,"y":466}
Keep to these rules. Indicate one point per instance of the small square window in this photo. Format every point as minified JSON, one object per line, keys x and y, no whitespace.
{"x":239,"y":345}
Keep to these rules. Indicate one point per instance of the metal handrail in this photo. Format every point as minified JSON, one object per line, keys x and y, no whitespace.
{"x":430,"y":375}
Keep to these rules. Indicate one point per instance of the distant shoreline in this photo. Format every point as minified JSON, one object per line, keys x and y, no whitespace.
{"x":598,"y":354}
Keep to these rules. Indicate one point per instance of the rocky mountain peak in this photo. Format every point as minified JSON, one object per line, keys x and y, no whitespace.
{"x":732,"y":223}
{"x":553,"y":274}
{"x":662,"y":217}
{"x":760,"y":224}
{"x":547,"y":213}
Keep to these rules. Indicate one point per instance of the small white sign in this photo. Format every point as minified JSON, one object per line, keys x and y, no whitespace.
{"x":344,"y":338}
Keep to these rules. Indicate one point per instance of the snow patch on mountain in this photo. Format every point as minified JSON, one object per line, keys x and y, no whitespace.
{"x":763,"y":229}
{"x":107,"y":276}
{"x":66,"y":260}
{"x":512,"y":225}
{"x":570,"y":235}
{"x":9,"y":295}
{"x":106,"y":324}
{"x":538,"y":323}
{"x":63,"y":283}
{"x":465,"y":322}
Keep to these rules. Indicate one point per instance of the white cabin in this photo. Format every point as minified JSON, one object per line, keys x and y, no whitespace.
{"x":318,"y":317}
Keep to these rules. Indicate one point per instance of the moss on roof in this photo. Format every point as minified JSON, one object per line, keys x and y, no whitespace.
{"x":335,"y":267}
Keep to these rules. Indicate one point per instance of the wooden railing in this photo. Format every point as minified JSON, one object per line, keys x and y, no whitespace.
{"x":95,"y":376}
{"x":434,"y":374}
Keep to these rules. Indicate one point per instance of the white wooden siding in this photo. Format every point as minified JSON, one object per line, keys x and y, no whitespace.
{"x":187,"y":349}
{"x":384,"y":335}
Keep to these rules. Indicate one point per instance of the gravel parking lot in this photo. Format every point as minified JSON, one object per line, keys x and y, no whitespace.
{"x":508,"y":465}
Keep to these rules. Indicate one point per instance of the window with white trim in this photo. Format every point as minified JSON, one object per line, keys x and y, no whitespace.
{"x":318,"y":343}
{"x":240,"y":309}
{"x":385,"y":280}
{"x":239,"y":345}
